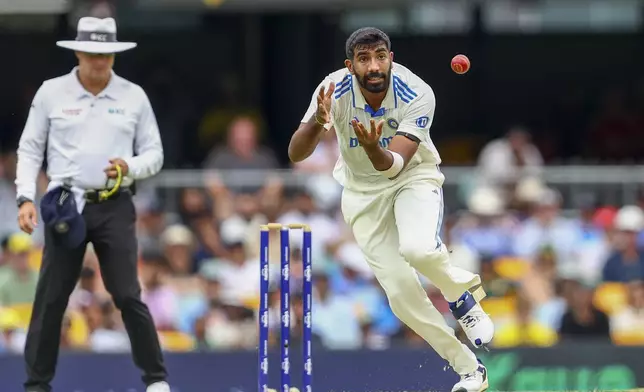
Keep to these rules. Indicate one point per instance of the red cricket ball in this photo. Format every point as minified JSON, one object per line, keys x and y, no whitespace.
{"x":460,"y":64}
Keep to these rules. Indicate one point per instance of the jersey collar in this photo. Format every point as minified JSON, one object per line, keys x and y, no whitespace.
{"x":110,"y":91}
{"x":390,"y":101}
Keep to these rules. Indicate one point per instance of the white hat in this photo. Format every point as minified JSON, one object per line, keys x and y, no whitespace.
{"x":529,"y":189}
{"x":485,"y":201}
{"x":177,"y":235}
{"x":233,"y":230}
{"x":629,"y":218}
{"x":96,"y":36}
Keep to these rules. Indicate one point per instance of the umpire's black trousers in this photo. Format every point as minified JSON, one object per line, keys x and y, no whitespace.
{"x":111,"y":229}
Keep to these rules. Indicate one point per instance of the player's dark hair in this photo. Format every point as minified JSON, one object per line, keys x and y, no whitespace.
{"x":366,"y":36}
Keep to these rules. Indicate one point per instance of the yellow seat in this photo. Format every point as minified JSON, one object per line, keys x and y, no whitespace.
{"x":35,"y":259}
{"x":251,"y":302}
{"x":78,"y":330}
{"x":511,"y":268}
{"x":9,"y":319}
{"x":630,"y":338}
{"x":498,"y":307}
{"x":24,"y":313}
{"x":610,"y":297}
{"x":176,"y":341}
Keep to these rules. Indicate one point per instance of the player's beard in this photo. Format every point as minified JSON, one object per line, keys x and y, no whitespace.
{"x":375,"y":87}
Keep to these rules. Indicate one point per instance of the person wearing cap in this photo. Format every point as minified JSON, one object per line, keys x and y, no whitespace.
{"x":17,"y":280}
{"x":98,"y":134}
{"x":626,"y":260}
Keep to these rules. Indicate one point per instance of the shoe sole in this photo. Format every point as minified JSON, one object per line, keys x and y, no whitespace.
{"x":484,"y":387}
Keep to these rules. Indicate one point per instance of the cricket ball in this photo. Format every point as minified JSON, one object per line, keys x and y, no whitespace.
{"x":460,"y":64}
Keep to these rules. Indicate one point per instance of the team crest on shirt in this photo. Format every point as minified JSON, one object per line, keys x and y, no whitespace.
{"x":392,"y":123}
{"x":422,"y":121}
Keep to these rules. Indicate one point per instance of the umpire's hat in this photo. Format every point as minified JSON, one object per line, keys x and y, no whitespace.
{"x":59,"y":212}
{"x":96,"y":35}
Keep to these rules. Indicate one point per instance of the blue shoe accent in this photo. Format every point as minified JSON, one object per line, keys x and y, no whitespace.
{"x":477,"y":341}
{"x":464,"y":304}
{"x":482,"y":369}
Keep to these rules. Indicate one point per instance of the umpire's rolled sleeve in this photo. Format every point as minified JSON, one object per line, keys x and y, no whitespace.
{"x":31,"y":148}
{"x":147,"y":145}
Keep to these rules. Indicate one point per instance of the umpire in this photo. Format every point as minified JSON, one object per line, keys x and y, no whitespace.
{"x":99,"y":134}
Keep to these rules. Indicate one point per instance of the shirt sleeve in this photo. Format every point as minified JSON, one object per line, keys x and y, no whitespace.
{"x":148,"y":149}
{"x":32,"y":145}
{"x":419,"y":116}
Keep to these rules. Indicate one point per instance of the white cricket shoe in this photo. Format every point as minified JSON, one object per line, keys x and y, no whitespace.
{"x":160,"y":386}
{"x":476,"y":324}
{"x":473,"y":382}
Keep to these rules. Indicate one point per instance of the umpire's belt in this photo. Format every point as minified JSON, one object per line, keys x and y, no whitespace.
{"x":101,"y":195}
{"x":93,"y":196}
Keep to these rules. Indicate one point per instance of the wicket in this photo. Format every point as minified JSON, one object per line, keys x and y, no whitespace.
{"x":285,"y":317}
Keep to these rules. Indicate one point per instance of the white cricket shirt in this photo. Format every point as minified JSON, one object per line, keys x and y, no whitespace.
{"x":408,"y":107}
{"x":78,"y":133}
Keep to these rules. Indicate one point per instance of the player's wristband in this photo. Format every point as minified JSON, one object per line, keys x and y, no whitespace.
{"x":396,"y":166}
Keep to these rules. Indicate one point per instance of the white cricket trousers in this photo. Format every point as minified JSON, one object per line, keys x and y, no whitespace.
{"x":398,"y":232}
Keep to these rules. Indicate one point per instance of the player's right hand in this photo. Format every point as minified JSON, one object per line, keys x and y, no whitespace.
{"x":325,"y":97}
{"x":27,"y":217}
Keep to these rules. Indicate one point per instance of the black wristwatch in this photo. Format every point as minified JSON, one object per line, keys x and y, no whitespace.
{"x":22,"y":200}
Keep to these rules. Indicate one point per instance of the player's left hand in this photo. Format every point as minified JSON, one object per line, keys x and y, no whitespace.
{"x":111,"y":169}
{"x":366,"y":138}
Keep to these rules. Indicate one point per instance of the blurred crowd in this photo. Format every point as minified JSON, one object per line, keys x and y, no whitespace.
{"x":551,"y":274}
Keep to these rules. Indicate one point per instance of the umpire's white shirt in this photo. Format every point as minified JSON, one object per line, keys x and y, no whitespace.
{"x":78,"y":133}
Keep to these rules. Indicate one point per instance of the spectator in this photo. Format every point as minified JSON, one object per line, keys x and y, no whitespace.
{"x":151,"y":221}
{"x":324,"y":157}
{"x":230,"y":325}
{"x":107,"y":334}
{"x":505,"y":161}
{"x":547,"y":227}
{"x":544,"y":288}
{"x":242,"y":150}
{"x":157,"y":293}
{"x":303,"y":209}
{"x":195,"y":305}
{"x":629,"y":321}
{"x":626,"y":263}
{"x":12,"y":337}
{"x":17,"y":281}
{"x":524,"y":330}
{"x":237,"y":273}
{"x":594,"y":243}
{"x":486,"y":230}
{"x":178,"y":246}
{"x":582,"y":319}
{"x":331,"y":310}
{"x":197,"y":215}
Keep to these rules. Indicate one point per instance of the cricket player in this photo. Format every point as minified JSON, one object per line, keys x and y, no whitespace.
{"x":392,"y":196}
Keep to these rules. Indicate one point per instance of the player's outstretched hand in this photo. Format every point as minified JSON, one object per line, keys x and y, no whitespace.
{"x":323,"y":114}
{"x":368,"y":138}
